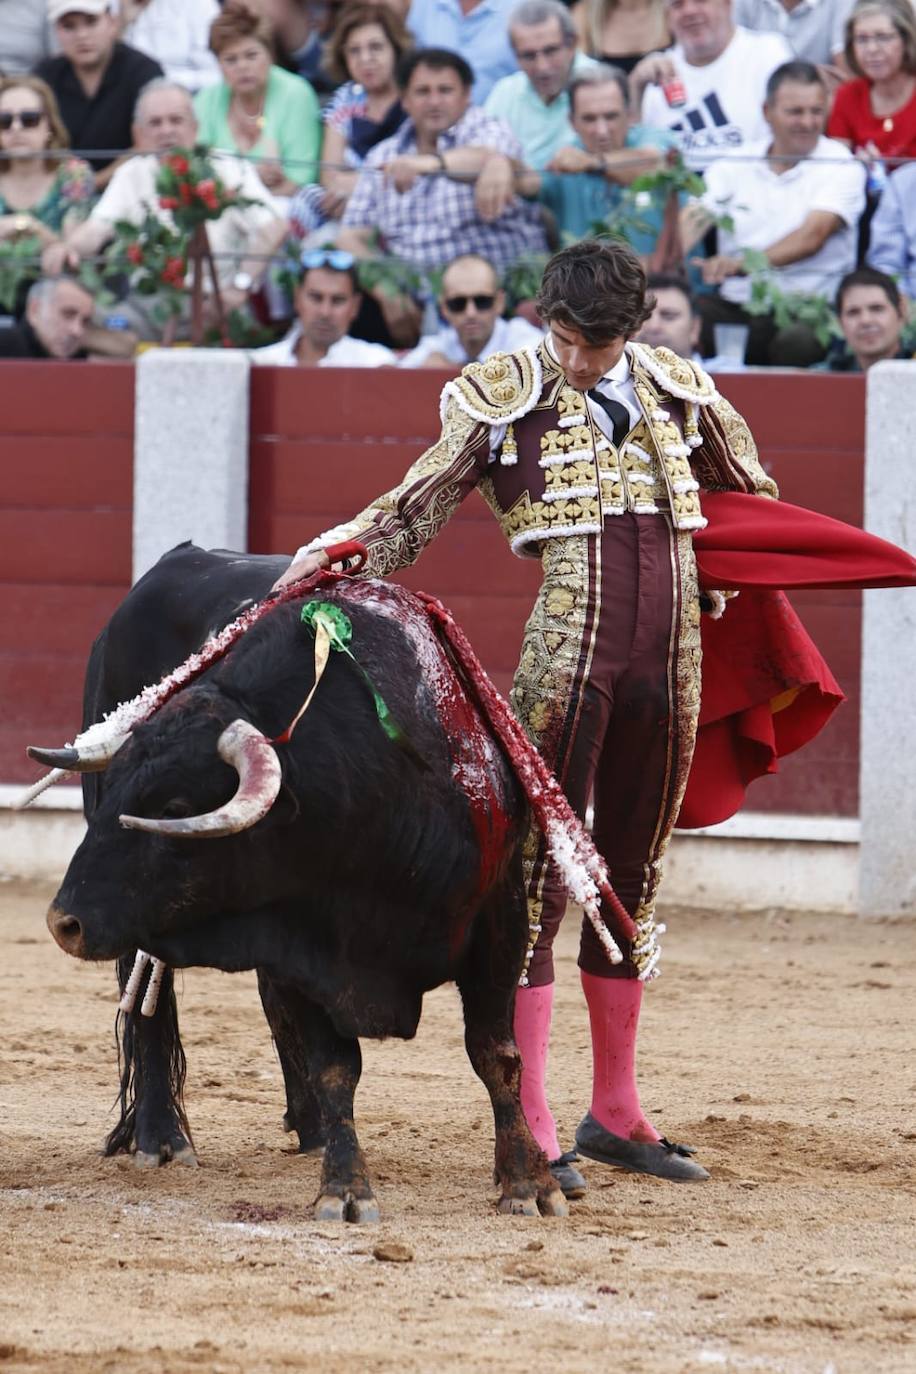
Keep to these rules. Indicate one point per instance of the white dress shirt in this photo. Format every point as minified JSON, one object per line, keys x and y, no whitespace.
{"x":346,"y":352}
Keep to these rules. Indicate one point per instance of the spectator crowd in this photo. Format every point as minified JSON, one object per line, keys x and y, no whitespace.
{"x":384,"y":178}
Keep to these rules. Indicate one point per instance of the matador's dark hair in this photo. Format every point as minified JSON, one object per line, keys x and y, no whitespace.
{"x":598,"y":287}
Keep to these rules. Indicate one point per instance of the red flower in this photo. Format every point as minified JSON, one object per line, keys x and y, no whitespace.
{"x":185,"y":193}
{"x":135,"y":254}
{"x":179,"y":165}
{"x":168,"y":202}
{"x":173,"y":272}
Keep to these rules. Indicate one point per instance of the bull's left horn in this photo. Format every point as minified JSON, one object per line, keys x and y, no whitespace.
{"x":255,"y":760}
{"x":88,"y":758}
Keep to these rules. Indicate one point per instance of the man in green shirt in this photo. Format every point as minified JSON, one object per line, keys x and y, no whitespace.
{"x":534,"y":101}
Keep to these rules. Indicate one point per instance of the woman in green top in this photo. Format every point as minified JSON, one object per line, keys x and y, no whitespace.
{"x":259,"y":109}
{"x":40,"y":194}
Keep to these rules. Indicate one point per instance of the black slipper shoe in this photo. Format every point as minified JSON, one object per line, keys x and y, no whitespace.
{"x":663,"y":1159}
{"x":571,"y":1182}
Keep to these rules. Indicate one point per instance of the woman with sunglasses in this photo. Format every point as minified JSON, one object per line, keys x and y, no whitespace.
{"x":41,"y":194}
{"x":875,"y":114}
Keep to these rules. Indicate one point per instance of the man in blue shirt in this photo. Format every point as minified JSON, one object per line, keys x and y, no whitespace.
{"x":478,"y":29}
{"x":585,"y":181}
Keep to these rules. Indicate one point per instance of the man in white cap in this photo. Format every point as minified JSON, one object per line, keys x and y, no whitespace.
{"x":96,"y":79}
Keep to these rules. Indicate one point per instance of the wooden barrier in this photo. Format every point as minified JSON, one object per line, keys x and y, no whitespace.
{"x":323,"y":443}
{"x":66,"y":446}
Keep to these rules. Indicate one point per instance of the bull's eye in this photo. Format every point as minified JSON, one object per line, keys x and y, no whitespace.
{"x":176,"y":809}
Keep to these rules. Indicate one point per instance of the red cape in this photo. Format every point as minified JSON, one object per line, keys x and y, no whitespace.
{"x":766,"y":688}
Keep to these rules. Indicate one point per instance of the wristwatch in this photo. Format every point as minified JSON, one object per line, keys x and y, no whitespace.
{"x":22,"y":223}
{"x":243,"y":281}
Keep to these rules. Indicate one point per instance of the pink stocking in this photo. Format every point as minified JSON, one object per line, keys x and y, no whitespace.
{"x":613,"y":1010}
{"x":533,"y":1007}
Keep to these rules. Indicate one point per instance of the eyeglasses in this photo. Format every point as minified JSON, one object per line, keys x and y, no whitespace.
{"x":28,"y":119}
{"x":881,"y":40}
{"x":337,"y":258}
{"x":532,"y":54}
{"x":459,"y":304}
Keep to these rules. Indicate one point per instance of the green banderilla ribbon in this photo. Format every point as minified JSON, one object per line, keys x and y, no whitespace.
{"x":333,"y":630}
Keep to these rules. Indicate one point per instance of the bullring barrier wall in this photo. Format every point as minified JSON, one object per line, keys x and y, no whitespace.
{"x":320,"y":444}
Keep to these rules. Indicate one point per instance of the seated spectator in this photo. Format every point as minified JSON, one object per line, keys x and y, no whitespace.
{"x":709,"y":90}
{"x":585,"y":181}
{"x":177,"y":34}
{"x":814,"y":29}
{"x":96,"y":80}
{"x":621,"y":35}
{"x":472,"y":303}
{"x":259,"y":109}
{"x":675,"y":320}
{"x":795,"y":197}
{"x":415,"y":193}
{"x":39,"y":196}
{"x":57,"y":315}
{"x":478,"y":29}
{"x":363,"y":53}
{"x":533,"y":101}
{"x":242,"y":239}
{"x":25,"y":35}
{"x":876,"y":112}
{"x":327,"y":302}
{"x":872,"y":316}
{"x":893,"y":230}
{"x":301,"y":29}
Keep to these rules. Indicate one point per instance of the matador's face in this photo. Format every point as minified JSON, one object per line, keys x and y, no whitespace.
{"x":583,"y":363}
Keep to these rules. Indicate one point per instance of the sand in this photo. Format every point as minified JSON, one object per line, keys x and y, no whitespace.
{"x":781,"y":1046}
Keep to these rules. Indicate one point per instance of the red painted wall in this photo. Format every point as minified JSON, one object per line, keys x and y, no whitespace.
{"x":323,"y":443}
{"x":66,"y":474}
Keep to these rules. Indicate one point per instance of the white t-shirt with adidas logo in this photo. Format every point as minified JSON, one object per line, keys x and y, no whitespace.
{"x":724,"y":107}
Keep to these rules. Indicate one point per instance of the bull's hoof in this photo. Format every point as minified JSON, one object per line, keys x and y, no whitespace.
{"x":154,"y":1159}
{"x":360,"y":1210}
{"x":553,"y":1203}
{"x":518,"y":1206}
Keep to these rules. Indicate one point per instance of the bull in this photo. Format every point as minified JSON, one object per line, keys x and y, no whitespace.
{"x":354,"y":869}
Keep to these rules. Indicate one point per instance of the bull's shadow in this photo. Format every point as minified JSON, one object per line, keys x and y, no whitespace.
{"x":373,"y":856}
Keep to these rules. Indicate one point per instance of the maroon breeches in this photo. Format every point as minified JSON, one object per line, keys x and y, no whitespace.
{"x":603,"y":709}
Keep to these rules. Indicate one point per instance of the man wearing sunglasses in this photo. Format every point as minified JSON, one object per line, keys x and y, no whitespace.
{"x":327,"y":301}
{"x":591,"y":451}
{"x":472,"y":303}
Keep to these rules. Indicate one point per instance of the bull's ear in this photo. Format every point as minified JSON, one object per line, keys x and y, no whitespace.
{"x":176,"y":809}
{"x":255,"y":760}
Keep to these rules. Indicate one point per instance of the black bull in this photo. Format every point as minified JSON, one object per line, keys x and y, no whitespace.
{"x":365,"y":884}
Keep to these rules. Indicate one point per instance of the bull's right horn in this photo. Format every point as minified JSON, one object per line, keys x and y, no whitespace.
{"x":255,"y":760}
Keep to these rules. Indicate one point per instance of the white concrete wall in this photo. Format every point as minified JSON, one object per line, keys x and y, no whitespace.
{"x":888,"y":737}
{"x":190,"y":451}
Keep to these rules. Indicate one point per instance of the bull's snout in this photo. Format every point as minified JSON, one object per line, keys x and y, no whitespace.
{"x":67,"y":931}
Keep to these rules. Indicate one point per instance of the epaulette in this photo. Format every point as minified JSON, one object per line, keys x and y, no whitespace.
{"x":676,"y":376}
{"x":501,"y":389}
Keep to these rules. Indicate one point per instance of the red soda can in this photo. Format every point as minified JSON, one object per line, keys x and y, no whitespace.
{"x":674,"y":93}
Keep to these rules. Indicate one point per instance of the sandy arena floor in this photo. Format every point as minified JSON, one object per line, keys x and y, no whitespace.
{"x":782,"y":1047}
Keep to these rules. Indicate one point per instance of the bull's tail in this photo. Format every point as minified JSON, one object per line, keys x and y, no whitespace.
{"x":152,"y":1063}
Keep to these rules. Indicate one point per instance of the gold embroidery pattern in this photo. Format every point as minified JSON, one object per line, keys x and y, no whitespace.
{"x":743,"y":451}
{"x":684,"y":666}
{"x":541,"y":691}
{"x":501,"y":388}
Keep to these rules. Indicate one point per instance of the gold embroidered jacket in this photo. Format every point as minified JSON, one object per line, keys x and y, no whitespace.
{"x":557,"y":474}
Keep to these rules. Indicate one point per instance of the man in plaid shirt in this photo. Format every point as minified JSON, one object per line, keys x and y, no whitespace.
{"x":434,"y":190}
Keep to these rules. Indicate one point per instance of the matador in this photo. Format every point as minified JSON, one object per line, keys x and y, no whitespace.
{"x":593,"y":452}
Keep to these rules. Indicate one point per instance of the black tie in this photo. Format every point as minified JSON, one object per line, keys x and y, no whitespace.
{"x":619,"y":415}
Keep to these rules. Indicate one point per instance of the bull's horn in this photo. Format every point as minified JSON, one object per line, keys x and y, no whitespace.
{"x":255,"y":760}
{"x":89,"y":758}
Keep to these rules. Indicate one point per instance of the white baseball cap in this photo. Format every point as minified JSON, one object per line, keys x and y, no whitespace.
{"x":58,"y":8}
